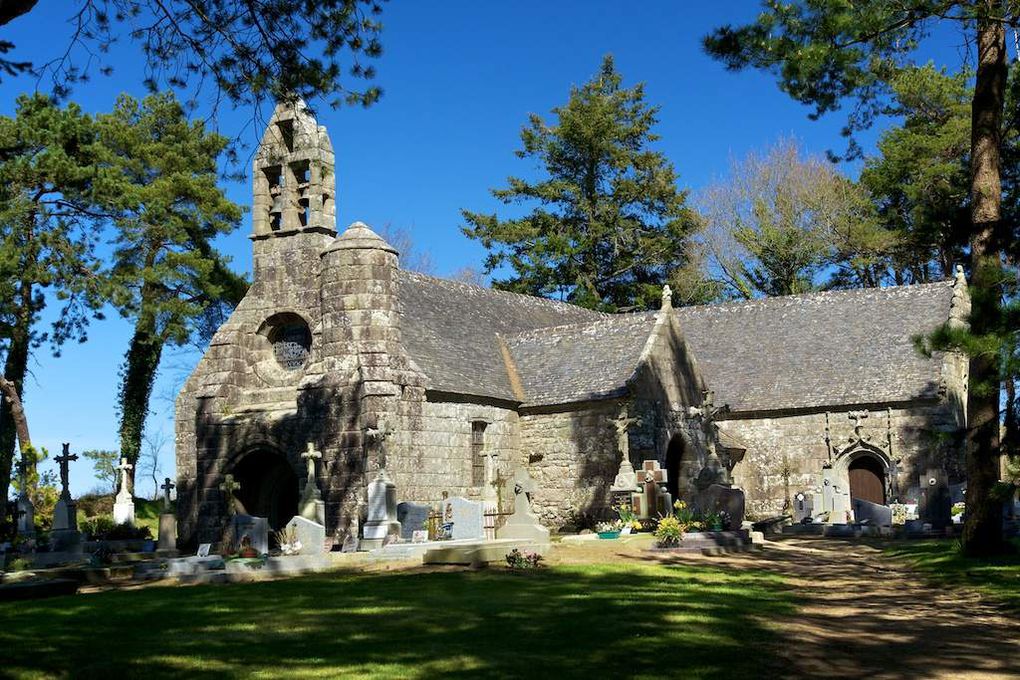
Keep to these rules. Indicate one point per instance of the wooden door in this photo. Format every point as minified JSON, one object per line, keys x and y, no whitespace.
{"x":867,"y":480}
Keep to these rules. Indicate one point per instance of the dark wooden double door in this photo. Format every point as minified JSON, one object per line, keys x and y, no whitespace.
{"x":867,"y":480}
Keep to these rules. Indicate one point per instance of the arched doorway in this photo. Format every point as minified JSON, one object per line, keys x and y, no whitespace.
{"x":867,"y":479}
{"x":269,"y":487}
{"x":674,"y":466}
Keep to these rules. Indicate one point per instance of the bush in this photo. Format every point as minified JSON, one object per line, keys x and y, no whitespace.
{"x":669,"y":532}
{"x":97,"y":527}
{"x":95,"y":504}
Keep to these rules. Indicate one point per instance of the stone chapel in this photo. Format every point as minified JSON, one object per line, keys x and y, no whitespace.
{"x":469,"y":385}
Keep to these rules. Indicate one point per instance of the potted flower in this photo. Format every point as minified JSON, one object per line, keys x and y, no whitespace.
{"x":247,"y":551}
{"x":713,"y":522}
{"x":608,"y":530}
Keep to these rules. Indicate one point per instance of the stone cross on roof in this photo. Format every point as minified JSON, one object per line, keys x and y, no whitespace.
{"x":64,"y":460}
{"x":167,"y":486}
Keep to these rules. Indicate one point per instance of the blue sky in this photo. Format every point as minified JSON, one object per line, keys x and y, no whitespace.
{"x":459,"y":80}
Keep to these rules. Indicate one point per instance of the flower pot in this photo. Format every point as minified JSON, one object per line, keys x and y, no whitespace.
{"x":716,"y":527}
{"x":609,"y":535}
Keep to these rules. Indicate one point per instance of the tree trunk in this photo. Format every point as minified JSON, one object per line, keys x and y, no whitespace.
{"x":15,"y":368}
{"x":982,"y":533}
{"x":140,"y":366}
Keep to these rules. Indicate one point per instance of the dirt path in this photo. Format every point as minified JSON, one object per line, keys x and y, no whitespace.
{"x":865,"y":615}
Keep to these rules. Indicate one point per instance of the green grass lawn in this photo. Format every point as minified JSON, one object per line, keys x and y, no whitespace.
{"x":601,"y":620}
{"x":942,"y":561}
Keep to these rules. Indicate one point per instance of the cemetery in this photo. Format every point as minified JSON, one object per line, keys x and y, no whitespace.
{"x":763,"y":427}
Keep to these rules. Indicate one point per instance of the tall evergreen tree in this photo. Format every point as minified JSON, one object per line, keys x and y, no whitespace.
{"x":608,"y":224}
{"x":166,"y":275}
{"x":47,"y":239}
{"x":824,"y":52}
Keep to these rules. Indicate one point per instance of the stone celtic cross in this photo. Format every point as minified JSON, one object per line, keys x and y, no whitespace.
{"x":858,"y":417}
{"x":167,"y":486}
{"x":64,"y":460}
{"x":310,"y":455}
{"x":378,"y":436}
{"x":229,"y":486}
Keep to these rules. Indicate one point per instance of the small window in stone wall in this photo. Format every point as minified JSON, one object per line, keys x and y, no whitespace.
{"x":291,"y":341}
{"x":478,"y":452}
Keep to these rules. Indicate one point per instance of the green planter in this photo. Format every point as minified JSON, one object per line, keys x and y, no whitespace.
{"x":609,"y":535}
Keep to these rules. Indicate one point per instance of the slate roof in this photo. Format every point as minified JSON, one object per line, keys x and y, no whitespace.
{"x":452,"y":331}
{"x":819,"y":349}
{"x":579,"y":362}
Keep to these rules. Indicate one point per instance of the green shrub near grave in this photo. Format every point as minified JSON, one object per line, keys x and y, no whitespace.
{"x":669,"y":532}
{"x":96,"y":527}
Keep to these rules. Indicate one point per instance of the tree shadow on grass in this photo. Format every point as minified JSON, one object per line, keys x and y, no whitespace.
{"x":602,"y":621}
{"x":861,"y":614}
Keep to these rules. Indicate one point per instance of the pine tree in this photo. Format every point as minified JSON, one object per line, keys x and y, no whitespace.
{"x":166,"y":274}
{"x":608,"y":224}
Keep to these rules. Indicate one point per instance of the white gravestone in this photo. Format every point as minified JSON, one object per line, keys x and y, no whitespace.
{"x":311,"y":535}
{"x":124,"y":507}
{"x":523,"y":524}
{"x":382,"y":512}
{"x":467,"y":518}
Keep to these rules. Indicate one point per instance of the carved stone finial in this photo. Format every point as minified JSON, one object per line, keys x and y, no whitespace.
{"x":667,"y":297}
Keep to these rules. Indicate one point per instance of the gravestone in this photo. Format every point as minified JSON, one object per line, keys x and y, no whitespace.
{"x":255,"y":528}
{"x":167,"y":520}
{"x":719,"y":498}
{"x":466,"y":516}
{"x":802,"y":507}
{"x":382,"y":524}
{"x":653,"y":500}
{"x":24,"y":508}
{"x":875,"y":514}
{"x":64,"y":536}
{"x":312,"y":506}
{"x":934,"y":504}
{"x":523,"y":524}
{"x":412,"y":518}
{"x":311,"y":535}
{"x":124,"y":506}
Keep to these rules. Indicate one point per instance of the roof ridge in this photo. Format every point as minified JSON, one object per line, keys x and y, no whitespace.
{"x":819,"y":294}
{"x":495,"y":292}
{"x":651,"y":314}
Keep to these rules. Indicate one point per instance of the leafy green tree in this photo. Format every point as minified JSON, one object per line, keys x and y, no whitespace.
{"x":161,"y":185}
{"x":246,"y":49}
{"x":608,"y":224}
{"x":104,"y":465}
{"x":919,"y":178}
{"x":47,"y":213}
{"x":781,"y":218}
{"x":824,"y":52}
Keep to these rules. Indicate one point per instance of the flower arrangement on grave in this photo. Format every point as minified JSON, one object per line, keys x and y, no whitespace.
{"x":686,"y":516}
{"x":288,"y":540}
{"x":725,"y":521}
{"x":517,"y":560}
{"x":628,"y":518}
{"x":669,"y":532}
{"x":713,"y":522}
{"x":246,"y":550}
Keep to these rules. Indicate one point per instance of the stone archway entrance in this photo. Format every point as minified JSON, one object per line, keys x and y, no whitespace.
{"x":867,"y":479}
{"x":269,"y":487}
{"x":675,"y":466}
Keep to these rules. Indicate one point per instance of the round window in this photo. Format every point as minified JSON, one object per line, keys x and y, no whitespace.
{"x":291,"y":341}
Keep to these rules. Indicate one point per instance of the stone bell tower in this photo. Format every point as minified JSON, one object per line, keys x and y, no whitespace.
{"x":294,"y":187}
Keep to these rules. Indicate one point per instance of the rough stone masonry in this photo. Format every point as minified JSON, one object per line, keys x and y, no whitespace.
{"x":333,"y":339}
